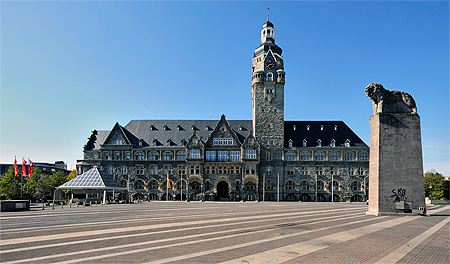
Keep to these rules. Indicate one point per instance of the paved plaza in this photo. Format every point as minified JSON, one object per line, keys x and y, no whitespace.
{"x":215,"y":232}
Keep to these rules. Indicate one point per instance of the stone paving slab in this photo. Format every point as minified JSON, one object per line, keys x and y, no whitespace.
{"x":174,"y":232}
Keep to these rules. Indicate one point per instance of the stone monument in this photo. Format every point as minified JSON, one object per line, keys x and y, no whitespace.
{"x":395,"y":168}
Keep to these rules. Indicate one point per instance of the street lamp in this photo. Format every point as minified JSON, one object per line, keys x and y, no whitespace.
{"x":431,"y":191}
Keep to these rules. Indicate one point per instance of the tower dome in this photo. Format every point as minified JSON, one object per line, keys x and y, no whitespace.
{"x":268,"y":32}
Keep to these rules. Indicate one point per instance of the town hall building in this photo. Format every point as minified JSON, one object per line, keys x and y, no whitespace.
{"x":266,"y":158}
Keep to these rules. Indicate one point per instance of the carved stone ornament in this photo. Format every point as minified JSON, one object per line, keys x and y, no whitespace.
{"x":386,"y":101}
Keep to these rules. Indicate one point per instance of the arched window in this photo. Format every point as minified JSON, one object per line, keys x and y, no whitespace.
{"x":250,"y":185}
{"x":304,"y":156}
{"x":290,"y":156}
{"x":334,"y":156}
{"x":360,"y":171}
{"x":351,"y":171}
{"x":270,"y":185}
{"x":290,"y":143}
{"x":320,"y":186}
{"x":336,"y":186}
{"x":305,"y":143}
{"x":319,"y":143}
{"x":195,"y":185}
{"x":167,"y":156}
{"x":139,"y":156}
{"x":356,"y":186}
{"x":270,"y":77}
{"x":153,"y":156}
{"x":110,"y":170}
{"x":304,"y":185}
{"x":363,"y":156}
{"x":153,"y":185}
{"x":139,"y":185}
{"x":289,"y":185}
{"x":319,"y":156}
{"x":349,"y":156}
{"x":181,"y":156}
{"x":269,"y":171}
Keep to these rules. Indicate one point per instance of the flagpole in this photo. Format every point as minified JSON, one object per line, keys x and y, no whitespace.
{"x":21,"y":181}
{"x":15,"y":175}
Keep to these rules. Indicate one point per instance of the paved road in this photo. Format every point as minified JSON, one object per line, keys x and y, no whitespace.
{"x":180,"y":232}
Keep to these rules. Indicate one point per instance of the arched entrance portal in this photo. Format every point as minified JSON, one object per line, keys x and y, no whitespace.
{"x":222,"y":190}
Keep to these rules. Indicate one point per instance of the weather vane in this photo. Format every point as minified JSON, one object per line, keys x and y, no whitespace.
{"x":267,"y":14}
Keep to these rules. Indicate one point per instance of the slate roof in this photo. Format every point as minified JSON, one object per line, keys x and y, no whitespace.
{"x":177,"y":130}
{"x":92,"y":179}
{"x":315,"y":132}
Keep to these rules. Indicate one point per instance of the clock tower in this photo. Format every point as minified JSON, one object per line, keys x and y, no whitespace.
{"x":268,"y":94}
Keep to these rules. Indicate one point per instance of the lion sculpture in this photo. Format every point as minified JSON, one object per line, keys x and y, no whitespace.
{"x":386,"y":101}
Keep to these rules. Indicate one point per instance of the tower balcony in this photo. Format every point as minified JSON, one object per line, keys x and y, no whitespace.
{"x":258,"y":77}
{"x":280,"y":76}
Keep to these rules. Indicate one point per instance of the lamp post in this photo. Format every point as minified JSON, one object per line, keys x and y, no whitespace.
{"x":431,"y":191}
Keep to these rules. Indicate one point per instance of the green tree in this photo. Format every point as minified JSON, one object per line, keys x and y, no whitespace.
{"x":435,"y":185}
{"x":72,"y":175}
{"x":7,"y":185}
{"x":43,"y":187}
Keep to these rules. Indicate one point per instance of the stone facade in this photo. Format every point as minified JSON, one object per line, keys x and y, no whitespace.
{"x":396,"y":169}
{"x":240,"y":160}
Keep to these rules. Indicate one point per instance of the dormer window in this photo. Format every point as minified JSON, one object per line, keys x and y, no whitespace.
{"x":165,"y":128}
{"x":333,"y":143}
{"x":152,"y":128}
{"x":307,"y":127}
{"x":194,"y":142}
{"x":193,"y":128}
{"x":347,"y":143}
{"x":183,"y":142}
{"x":140,"y":142}
{"x":290,"y":143}
{"x":294,"y":127}
{"x":169,"y":143}
{"x":335,"y":127}
{"x":240,"y":128}
{"x":305,"y":143}
{"x":319,"y":143}
{"x":155,"y":142}
{"x":321,"y":127}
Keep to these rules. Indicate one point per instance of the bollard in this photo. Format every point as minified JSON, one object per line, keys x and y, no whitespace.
{"x":53,"y":206}
{"x":43,"y":204}
{"x":62,"y":205}
{"x":70,"y":204}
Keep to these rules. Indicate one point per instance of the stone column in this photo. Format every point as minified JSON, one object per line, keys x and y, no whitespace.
{"x":395,"y":170}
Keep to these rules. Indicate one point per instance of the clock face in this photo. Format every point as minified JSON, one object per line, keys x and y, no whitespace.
{"x":270,"y":64}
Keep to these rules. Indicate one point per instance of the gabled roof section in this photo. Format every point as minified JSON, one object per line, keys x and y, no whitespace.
{"x":117,"y":129}
{"x":224,"y":130}
{"x":92,"y":179}
{"x":326,"y":131}
{"x":179,"y":130}
{"x":270,"y":53}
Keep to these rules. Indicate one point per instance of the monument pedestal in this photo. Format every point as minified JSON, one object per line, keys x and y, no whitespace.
{"x":395,"y":169}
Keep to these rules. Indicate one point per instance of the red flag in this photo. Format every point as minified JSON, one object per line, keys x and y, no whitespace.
{"x":30,"y":172}
{"x":24,"y":169}
{"x":16,"y":171}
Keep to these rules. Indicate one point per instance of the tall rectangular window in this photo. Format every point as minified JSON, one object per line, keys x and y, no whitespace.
{"x":195,"y":154}
{"x":250,"y":154}
{"x":153,"y":169}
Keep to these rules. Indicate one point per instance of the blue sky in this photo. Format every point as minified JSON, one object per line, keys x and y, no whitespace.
{"x":70,"y":67}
